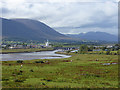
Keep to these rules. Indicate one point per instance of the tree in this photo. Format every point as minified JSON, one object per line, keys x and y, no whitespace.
{"x":90,"y":48}
{"x":83,"y":49}
{"x":7,"y":46}
{"x":103,"y":48}
{"x":108,"y":52}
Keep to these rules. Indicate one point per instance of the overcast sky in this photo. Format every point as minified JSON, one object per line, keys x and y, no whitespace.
{"x":66,"y":16}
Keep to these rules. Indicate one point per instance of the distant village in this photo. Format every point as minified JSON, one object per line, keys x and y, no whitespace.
{"x":25,"y":46}
{"x":91,"y":48}
{"x":47,"y":44}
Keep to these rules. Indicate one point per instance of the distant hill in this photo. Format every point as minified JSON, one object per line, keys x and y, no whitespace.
{"x":27,"y":29}
{"x":99,"y":36}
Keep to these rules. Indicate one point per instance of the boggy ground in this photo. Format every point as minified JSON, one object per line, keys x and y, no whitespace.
{"x":78,"y":71}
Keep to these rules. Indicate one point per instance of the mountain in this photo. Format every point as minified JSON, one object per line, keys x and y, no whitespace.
{"x":99,"y":36}
{"x":27,"y":29}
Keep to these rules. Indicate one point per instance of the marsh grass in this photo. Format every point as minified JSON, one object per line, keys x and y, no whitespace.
{"x":83,"y":72}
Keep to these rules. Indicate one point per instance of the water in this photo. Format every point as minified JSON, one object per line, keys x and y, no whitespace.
{"x":33,"y":55}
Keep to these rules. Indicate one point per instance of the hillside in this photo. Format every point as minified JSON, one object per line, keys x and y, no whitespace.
{"x":27,"y":29}
{"x":99,"y":36}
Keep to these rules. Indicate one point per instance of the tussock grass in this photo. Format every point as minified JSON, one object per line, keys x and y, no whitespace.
{"x":83,"y":72}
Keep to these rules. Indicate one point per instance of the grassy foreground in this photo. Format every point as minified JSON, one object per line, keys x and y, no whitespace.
{"x":84,"y":71}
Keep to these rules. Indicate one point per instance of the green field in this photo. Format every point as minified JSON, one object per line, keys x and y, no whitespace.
{"x":25,"y":50}
{"x":83,"y":72}
{"x":103,"y":52}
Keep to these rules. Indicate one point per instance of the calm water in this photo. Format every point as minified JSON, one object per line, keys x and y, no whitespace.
{"x":33,"y":55}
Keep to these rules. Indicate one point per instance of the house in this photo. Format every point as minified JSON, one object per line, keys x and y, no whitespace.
{"x":74,"y":51}
{"x":47,"y":44}
{"x":97,"y":49}
{"x":106,"y":49}
{"x":3,"y":46}
{"x":109,"y":46}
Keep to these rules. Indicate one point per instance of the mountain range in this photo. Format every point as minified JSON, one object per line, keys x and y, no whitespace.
{"x":99,"y":36}
{"x":28,"y":29}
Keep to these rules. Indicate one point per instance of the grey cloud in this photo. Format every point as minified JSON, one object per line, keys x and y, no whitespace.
{"x":68,"y":17}
{"x":81,"y":30}
{"x":102,"y":24}
{"x":5,"y":11}
{"x":31,"y":5}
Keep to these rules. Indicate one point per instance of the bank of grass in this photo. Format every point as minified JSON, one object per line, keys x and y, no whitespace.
{"x":103,"y":52}
{"x":5,"y":51}
{"x":83,"y":72}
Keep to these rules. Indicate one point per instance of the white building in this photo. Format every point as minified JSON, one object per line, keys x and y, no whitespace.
{"x":47,"y":43}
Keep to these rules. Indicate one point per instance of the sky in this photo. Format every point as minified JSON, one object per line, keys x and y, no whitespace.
{"x":66,"y":16}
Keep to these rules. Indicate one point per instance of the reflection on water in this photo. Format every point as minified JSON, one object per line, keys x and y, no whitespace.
{"x":33,"y":55}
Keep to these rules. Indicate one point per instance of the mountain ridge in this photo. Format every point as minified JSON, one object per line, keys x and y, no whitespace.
{"x":99,"y":36}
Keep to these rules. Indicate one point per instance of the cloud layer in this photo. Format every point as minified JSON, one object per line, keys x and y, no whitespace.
{"x":70,"y":16}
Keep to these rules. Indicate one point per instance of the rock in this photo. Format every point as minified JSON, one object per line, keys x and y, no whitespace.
{"x":114,"y":63}
{"x":31,"y":70}
{"x":106,"y":64}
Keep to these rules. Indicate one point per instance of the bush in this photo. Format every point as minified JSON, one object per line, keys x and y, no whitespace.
{"x":31,"y":70}
{"x":5,"y":79}
{"x":108,"y":52}
{"x":39,"y":61}
{"x":20,"y":79}
{"x":20,"y":72}
{"x":19,"y":61}
{"x":68,"y":51}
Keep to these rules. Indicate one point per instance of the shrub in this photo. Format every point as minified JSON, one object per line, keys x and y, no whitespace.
{"x":19,"y":61}
{"x":68,"y":51}
{"x":9,"y":64}
{"x":108,"y":52}
{"x":39,"y":61}
{"x":20,"y":72}
{"x":5,"y":79}
{"x":31,"y":70}
{"x":20,"y":79}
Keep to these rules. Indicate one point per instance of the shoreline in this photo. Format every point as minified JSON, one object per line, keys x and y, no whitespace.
{"x":46,"y":57}
{"x":31,"y":59}
{"x":26,"y":51}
